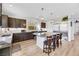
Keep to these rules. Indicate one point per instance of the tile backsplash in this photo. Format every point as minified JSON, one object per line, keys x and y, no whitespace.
{"x":11,"y":30}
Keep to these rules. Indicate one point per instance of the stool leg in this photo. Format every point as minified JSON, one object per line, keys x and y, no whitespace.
{"x":49,"y":50}
{"x":43,"y":47}
{"x":54,"y":46}
{"x":60,"y":42}
{"x":57,"y":43}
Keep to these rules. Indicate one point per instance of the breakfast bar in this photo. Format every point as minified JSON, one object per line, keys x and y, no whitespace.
{"x":41,"y":37}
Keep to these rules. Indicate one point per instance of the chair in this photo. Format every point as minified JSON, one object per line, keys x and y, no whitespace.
{"x":47,"y":45}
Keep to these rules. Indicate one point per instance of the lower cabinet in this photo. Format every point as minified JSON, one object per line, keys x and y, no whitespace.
{"x":5,"y":52}
{"x":18,"y":37}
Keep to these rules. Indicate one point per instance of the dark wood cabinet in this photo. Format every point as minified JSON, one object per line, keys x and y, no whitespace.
{"x":23,"y":23}
{"x":4,"y":21}
{"x":9,"y":22}
{"x":0,"y":14}
{"x":17,"y":37}
{"x":43,"y":25}
{"x":16,"y":23}
{"x":0,"y":21}
{"x":5,"y":51}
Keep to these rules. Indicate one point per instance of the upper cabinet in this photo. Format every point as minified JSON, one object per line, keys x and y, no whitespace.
{"x":43,"y":25}
{"x":23,"y":23}
{"x":0,"y":9}
{"x":13,"y":22}
{"x":4,"y":21}
{"x":16,"y":23}
{"x":0,"y":14}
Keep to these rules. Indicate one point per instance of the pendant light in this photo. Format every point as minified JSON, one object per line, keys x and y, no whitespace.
{"x":42,"y":17}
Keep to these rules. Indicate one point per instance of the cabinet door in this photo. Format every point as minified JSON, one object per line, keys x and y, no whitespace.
{"x":11,"y":22}
{"x":0,"y":21}
{"x":23,"y":23}
{"x":4,"y":21}
{"x":17,"y":38}
{"x":0,"y":14}
{"x":43,"y":25}
{"x":17,"y":23}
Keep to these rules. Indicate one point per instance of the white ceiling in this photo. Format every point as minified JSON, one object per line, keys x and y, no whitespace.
{"x":33,"y":10}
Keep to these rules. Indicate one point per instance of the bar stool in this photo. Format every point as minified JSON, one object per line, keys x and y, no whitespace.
{"x":54,"y":38}
{"x":60,"y":41}
{"x":47,"y":45}
{"x":57,"y":41}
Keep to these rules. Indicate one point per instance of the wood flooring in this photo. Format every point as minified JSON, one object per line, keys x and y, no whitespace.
{"x":29,"y":48}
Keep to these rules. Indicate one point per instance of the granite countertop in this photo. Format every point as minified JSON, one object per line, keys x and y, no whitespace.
{"x":39,"y":31}
{"x":6,"y":35}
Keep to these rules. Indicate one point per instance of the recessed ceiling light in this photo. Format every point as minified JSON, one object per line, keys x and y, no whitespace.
{"x":42,"y":18}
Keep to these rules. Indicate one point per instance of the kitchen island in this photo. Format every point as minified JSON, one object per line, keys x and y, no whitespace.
{"x":40,"y":40}
{"x":41,"y":37}
{"x":22,"y":36}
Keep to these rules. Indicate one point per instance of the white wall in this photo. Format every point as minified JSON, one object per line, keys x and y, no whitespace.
{"x":76,"y":28}
{"x":49,"y":26}
{"x":56,"y":27}
{"x":71,"y":28}
{"x":63,"y":27}
{"x":75,"y":25}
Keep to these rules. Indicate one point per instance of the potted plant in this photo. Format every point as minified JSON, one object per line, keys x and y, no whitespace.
{"x":65,"y":18}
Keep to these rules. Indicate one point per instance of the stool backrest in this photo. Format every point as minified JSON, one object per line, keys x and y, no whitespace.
{"x":58,"y":36}
{"x":49,"y":39}
{"x":54,"y":37}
